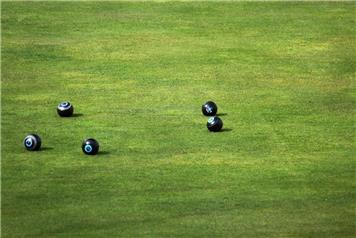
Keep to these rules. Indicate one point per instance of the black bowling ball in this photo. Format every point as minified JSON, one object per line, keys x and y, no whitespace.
{"x":32,"y":142}
{"x":90,"y":146}
{"x":65,"y":109}
{"x":209,"y":108}
{"x":214,"y":124}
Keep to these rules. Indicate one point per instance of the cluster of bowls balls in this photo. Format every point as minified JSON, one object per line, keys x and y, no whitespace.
{"x":214,"y":123}
{"x":32,"y":142}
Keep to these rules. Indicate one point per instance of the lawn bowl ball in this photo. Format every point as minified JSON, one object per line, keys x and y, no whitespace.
{"x":65,"y":109}
{"x":90,"y":147}
{"x":214,"y":124}
{"x":32,"y":142}
{"x":209,"y":108}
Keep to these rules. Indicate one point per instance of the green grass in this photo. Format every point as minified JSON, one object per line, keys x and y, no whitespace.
{"x":282,"y":74}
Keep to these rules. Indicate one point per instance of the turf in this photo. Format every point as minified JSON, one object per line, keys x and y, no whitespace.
{"x":282,"y":74}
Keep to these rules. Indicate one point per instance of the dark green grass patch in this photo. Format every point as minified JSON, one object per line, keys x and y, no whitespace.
{"x":282,"y":74}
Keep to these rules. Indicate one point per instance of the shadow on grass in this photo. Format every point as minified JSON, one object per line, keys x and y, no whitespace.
{"x":77,"y":115}
{"x":226,"y":130}
{"x":103,"y":152}
{"x":45,"y":148}
{"x":221,"y":114}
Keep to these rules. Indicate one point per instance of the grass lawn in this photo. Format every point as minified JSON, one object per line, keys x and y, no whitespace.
{"x":282,"y":74}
